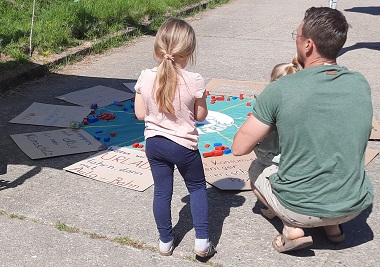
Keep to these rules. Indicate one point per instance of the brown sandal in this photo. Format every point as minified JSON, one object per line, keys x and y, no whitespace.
{"x":292,"y":244}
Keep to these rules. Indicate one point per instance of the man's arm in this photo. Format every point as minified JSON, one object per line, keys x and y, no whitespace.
{"x":249,"y":134}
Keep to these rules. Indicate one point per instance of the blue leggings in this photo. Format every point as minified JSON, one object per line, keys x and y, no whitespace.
{"x":162,"y":155}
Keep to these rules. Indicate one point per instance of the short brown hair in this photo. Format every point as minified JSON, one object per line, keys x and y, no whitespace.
{"x":327,"y":28}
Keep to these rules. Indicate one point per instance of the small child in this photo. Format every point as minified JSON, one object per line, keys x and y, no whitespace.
{"x":268,"y":150}
{"x":170,"y":100}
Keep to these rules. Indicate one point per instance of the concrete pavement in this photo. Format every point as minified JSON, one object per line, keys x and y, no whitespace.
{"x":241,"y":40}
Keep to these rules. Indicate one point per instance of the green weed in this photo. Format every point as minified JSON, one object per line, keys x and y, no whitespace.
{"x":124,"y":240}
{"x":60,"y":24}
{"x":15,"y":216}
{"x":64,"y":227}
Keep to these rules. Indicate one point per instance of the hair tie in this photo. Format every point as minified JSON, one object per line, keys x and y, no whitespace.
{"x":170,"y":57}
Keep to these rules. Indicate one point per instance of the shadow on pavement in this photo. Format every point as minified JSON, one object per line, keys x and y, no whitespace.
{"x":360,"y":45}
{"x":13,"y":73}
{"x":357,"y":232}
{"x":4,"y":184}
{"x":220,"y":204}
{"x":372,"y":10}
{"x":43,"y":91}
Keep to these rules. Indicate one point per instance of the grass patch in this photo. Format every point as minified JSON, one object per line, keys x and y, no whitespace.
{"x":96,"y":236}
{"x":66,"y":228}
{"x":124,"y":240}
{"x":60,"y":24}
{"x":15,"y":216}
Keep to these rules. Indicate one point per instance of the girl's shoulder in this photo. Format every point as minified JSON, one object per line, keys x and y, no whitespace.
{"x":148,"y":74}
{"x":150,"y":71}
{"x":191,"y":74}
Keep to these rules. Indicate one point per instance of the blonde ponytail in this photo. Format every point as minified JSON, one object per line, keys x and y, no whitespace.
{"x":283,"y":69}
{"x":175,"y":39}
{"x":167,"y":80}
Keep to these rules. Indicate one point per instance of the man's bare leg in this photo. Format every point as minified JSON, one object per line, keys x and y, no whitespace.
{"x":332,"y":230}
{"x":289,"y":231}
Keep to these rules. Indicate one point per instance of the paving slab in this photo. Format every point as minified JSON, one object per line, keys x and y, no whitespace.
{"x":240,"y":40}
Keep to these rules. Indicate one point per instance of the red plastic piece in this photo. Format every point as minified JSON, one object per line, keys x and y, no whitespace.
{"x":217,"y":153}
{"x":248,"y":104}
{"x":113,"y":134}
{"x":135,"y":145}
{"x":207,"y":145}
{"x":208,"y":154}
{"x":241,"y":96}
{"x":249,"y":114}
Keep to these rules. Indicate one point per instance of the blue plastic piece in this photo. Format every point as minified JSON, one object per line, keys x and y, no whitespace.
{"x":227,"y":151}
{"x":93,"y":119}
{"x":107,"y":139}
{"x":217,"y":144}
{"x":97,"y":137}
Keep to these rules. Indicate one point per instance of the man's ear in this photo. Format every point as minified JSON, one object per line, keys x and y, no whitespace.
{"x":309,"y":46}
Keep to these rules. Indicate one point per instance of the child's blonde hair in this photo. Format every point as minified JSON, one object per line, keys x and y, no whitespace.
{"x":283,"y":69}
{"x":175,"y":40}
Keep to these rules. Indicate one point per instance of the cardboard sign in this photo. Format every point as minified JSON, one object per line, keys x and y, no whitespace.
{"x":370,"y":154}
{"x":117,"y":166}
{"x":375,"y":133}
{"x":249,"y":89}
{"x":51,"y":115}
{"x":229,"y":172}
{"x":55,"y":143}
{"x":100,"y":95}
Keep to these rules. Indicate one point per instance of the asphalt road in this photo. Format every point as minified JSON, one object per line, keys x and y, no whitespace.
{"x":241,"y":40}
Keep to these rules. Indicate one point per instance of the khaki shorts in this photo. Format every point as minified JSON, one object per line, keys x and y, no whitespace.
{"x":259,"y":175}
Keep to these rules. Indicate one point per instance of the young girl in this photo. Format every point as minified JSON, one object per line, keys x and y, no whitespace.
{"x":268,"y":150}
{"x":170,"y":99}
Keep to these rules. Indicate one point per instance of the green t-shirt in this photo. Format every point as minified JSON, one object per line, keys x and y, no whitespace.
{"x":323,"y":117}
